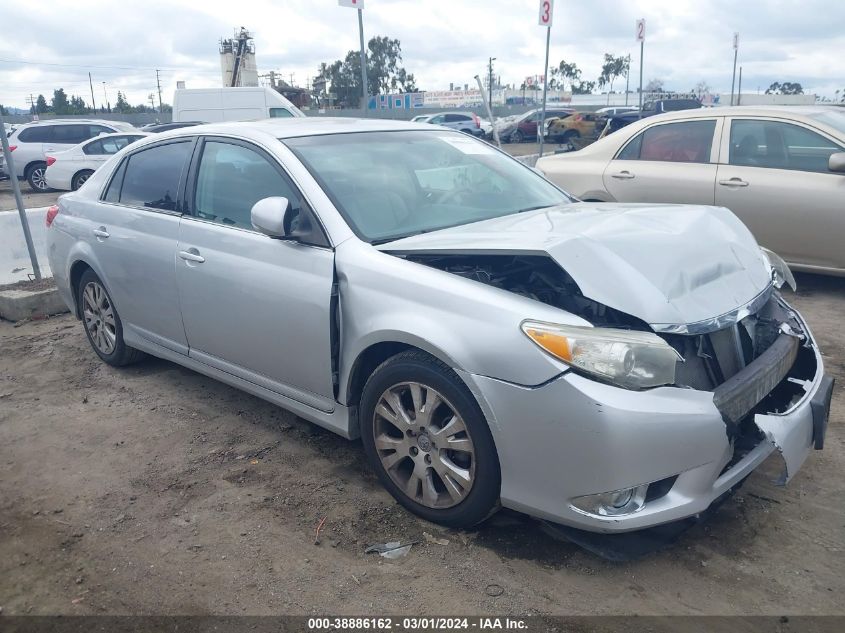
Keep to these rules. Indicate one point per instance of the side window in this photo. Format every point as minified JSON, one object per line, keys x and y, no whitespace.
{"x":779,"y":146}
{"x":94,"y":148}
{"x":280,"y":113}
{"x":152,"y":176}
{"x":37,"y":134}
{"x":231,"y":179}
{"x":437,"y":120}
{"x":113,"y":192}
{"x":683,"y":142}
{"x":71,"y":134}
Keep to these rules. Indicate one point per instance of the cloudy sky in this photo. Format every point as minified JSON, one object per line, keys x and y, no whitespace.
{"x":122,"y":42}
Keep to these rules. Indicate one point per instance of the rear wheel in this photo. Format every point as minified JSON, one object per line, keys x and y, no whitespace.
{"x":426,"y":437}
{"x":102,"y":322}
{"x":569,"y":137}
{"x":80,"y":179}
{"x":517,"y":136}
{"x":36,"y":177}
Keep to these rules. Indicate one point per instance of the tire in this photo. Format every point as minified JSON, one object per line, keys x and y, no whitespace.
{"x":517,"y":137}
{"x":103,"y":327}
{"x":80,"y":178}
{"x":35,"y":176}
{"x":458,"y":487}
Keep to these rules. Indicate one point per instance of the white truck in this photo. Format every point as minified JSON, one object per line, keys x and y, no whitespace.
{"x":213,"y":105}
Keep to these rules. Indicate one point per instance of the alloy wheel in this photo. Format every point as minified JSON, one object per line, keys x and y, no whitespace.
{"x":424,"y":445}
{"x":39,"y":179}
{"x":99,"y":317}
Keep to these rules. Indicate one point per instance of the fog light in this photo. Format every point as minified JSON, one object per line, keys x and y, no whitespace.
{"x":613,"y":503}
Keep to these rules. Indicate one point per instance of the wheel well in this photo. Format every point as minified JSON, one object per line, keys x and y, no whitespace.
{"x":31,"y":165}
{"x":366,"y":364}
{"x":76,"y":272}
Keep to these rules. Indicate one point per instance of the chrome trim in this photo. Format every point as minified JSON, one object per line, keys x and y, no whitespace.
{"x":720,"y":322}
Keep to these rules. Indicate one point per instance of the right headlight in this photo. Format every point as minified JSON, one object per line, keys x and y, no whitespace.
{"x":627,"y":358}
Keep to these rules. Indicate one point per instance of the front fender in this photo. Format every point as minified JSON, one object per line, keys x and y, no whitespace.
{"x":470,"y":326}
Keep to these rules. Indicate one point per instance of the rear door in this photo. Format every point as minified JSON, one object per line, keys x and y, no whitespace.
{"x":774,"y":175}
{"x":133,"y":232}
{"x":667,"y":162}
{"x":253,"y":306}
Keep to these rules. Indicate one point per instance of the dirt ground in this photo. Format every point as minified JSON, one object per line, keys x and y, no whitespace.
{"x":31,"y":200}
{"x":155,"y":490}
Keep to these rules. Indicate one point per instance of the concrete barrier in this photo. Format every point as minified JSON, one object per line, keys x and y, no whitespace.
{"x":14,"y":258}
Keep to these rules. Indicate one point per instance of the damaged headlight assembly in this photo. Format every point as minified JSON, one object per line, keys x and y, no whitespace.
{"x":780,"y":269}
{"x":625,"y":358}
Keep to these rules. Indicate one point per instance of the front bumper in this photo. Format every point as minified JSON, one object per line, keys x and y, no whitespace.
{"x":573,"y":436}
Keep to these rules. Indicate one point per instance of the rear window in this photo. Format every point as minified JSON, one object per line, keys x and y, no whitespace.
{"x":153,"y":175}
{"x":73,"y":134}
{"x":37,"y":134}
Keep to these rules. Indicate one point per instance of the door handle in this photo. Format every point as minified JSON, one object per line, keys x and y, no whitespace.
{"x":623,"y":175}
{"x":101,"y":232}
{"x":733,"y":182}
{"x":189,"y":256}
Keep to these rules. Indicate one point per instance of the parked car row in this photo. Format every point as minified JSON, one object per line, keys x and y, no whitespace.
{"x":491,"y":339}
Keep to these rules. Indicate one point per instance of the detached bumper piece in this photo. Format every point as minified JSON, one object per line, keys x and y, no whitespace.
{"x":739,"y":394}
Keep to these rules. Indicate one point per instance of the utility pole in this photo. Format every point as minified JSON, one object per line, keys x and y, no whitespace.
{"x":366,"y":86}
{"x":736,"y":52}
{"x":106,"y":98}
{"x":490,"y":82}
{"x":739,"y":88}
{"x":641,"y":40}
{"x":91,"y":85}
{"x":546,"y":15}
{"x":158,"y":82}
{"x":152,"y":99}
{"x":32,"y":104}
{"x":16,"y":188}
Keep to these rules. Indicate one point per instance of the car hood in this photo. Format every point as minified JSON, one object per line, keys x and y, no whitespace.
{"x":669,"y":265}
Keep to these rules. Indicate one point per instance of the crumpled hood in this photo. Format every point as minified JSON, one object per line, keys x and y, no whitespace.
{"x":665,"y":264}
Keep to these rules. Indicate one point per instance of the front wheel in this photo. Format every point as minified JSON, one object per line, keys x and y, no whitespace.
{"x":517,"y":136}
{"x":426,"y":437}
{"x":102,"y":322}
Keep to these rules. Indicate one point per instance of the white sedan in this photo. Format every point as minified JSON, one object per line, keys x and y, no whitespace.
{"x":68,"y":170}
{"x":780,"y":169}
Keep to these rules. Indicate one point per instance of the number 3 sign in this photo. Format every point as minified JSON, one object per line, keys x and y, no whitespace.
{"x":546,"y":11}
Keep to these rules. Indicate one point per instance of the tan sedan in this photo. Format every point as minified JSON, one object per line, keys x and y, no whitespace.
{"x":780,"y":169}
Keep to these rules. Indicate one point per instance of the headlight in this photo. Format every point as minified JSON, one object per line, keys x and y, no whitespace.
{"x":630,"y":359}
{"x":780,"y":269}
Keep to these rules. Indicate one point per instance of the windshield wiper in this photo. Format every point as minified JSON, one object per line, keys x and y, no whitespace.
{"x":539,"y":206}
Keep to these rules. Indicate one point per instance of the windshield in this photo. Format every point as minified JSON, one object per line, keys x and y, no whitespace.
{"x":834,"y":119}
{"x":390,"y":185}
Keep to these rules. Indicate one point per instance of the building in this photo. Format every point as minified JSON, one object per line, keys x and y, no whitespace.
{"x":237,"y":60}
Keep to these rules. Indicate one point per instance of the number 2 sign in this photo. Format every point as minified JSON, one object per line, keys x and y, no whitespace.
{"x":641,"y":30}
{"x":546,"y":10}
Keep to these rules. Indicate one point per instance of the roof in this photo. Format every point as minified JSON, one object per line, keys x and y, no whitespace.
{"x":755,"y":110}
{"x":302,"y":126}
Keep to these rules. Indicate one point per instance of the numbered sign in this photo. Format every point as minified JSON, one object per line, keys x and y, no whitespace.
{"x":641,"y":30}
{"x":547,"y":8}
{"x":736,"y":40}
{"x":352,"y":4}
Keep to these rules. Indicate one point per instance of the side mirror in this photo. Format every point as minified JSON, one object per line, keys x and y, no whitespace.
{"x":275,"y":217}
{"x":836,"y":162}
{"x":268,"y":216}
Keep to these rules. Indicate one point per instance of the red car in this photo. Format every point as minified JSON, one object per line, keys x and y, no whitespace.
{"x":525,"y":127}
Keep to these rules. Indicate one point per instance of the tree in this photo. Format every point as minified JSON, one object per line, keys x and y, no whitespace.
{"x":701,"y":88}
{"x":77,"y":105}
{"x":122,"y":104}
{"x":41,"y":105}
{"x":60,"y":102}
{"x":564,"y":71}
{"x":785,"y":88}
{"x":3,"y":111}
{"x":612,"y":68}
{"x":654,"y":85}
{"x":384,"y":72}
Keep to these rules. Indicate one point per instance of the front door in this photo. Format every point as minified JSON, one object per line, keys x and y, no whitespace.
{"x":776,"y":179}
{"x":666,"y":162}
{"x":253,"y":306}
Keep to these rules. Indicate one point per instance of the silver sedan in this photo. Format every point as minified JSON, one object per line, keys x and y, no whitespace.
{"x":492,"y":341}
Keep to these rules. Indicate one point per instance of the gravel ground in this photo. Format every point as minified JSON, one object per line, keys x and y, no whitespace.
{"x":31,"y":200}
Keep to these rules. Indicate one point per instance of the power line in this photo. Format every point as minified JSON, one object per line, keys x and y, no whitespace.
{"x":172,"y":69}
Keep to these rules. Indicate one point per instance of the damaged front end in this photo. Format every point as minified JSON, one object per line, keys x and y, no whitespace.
{"x":759,"y":361}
